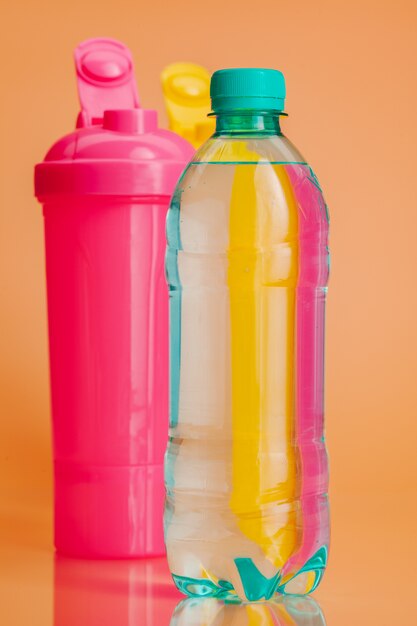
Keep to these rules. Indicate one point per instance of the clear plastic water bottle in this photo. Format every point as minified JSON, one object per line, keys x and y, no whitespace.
{"x":247,"y":262}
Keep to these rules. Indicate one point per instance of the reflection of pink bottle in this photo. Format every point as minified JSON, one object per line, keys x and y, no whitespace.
{"x":311,"y":558}
{"x":105,"y":190}
{"x":130,"y":592}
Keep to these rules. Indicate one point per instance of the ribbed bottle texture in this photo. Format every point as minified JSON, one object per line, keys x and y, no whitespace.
{"x":246,"y":466}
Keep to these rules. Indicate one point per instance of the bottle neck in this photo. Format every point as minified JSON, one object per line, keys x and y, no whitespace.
{"x":248,"y":123}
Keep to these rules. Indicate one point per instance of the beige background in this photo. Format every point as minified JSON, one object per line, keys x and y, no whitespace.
{"x":350,"y":70}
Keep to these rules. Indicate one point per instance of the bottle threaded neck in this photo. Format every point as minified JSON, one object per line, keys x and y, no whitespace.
{"x":248,"y":122}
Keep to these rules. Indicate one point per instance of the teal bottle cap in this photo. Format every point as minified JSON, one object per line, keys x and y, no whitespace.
{"x":247,"y":88}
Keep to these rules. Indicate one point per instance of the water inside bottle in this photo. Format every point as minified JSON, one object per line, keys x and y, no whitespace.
{"x":246,"y":466}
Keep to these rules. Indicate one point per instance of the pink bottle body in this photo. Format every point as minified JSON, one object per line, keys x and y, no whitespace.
{"x":105,"y":191}
{"x":108,"y":321}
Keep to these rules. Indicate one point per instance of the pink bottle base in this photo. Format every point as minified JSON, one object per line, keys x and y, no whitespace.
{"x":109,"y":512}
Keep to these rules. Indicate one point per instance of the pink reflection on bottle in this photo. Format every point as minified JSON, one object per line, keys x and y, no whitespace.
{"x":311,"y":296}
{"x":105,"y":190}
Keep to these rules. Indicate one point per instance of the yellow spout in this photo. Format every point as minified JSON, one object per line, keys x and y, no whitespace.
{"x":186,"y":89}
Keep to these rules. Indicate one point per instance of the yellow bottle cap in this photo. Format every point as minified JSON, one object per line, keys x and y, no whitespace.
{"x":186,"y":89}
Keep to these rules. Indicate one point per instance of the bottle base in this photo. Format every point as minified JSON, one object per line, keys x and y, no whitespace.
{"x":109,"y":512}
{"x":255,"y":586}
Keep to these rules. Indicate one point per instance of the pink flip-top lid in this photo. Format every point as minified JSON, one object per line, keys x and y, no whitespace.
{"x":117,"y":149}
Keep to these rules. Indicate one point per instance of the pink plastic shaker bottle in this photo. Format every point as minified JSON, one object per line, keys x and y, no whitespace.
{"x":105,"y":190}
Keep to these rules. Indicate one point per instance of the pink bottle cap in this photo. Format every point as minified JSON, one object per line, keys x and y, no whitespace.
{"x":117,"y":149}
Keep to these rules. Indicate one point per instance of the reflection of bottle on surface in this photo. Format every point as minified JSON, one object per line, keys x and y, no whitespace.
{"x":105,"y":191}
{"x":247,"y":266}
{"x":112,"y":593}
{"x":285,"y":611}
{"x":187,"y":99}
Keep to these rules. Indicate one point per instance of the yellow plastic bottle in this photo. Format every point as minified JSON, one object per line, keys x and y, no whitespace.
{"x":186,"y":89}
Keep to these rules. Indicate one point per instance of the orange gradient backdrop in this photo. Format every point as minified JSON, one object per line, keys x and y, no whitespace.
{"x":351,"y":89}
